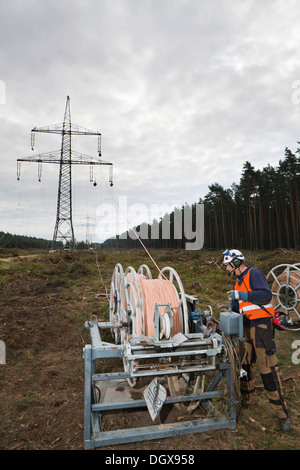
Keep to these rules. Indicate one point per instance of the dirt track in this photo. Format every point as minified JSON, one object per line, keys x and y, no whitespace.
{"x":15,"y":258}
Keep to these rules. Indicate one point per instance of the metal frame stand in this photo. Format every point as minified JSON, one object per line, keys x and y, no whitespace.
{"x":94,"y":436}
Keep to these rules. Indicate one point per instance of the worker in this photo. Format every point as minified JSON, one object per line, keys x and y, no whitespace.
{"x":252,"y":297}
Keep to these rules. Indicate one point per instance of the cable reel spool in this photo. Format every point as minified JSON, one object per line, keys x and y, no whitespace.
{"x":151,"y":318}
{"x":286,"y":289}
{"x":134,"y":297}
{"x":165,"y":326}
{"x":116,"y":300}
{"x":182,"y":303}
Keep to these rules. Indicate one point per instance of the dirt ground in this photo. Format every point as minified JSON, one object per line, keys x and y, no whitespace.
{"x":45,"y":302}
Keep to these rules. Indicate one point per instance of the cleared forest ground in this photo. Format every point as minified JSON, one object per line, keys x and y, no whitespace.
{"x":45,"y":301}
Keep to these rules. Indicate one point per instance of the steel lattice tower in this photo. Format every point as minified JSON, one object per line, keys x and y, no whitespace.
{"x":65,"y":157}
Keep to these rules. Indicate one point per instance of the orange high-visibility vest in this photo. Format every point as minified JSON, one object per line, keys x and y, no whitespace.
{"x":251,"y":310}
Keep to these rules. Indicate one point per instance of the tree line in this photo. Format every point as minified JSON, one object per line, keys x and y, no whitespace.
{"x":261,"y":212}
{"x":23,"y":242}
{"x":8,"y":240}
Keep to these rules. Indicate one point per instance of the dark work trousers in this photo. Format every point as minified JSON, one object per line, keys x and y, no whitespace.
{"x":259,"y":346}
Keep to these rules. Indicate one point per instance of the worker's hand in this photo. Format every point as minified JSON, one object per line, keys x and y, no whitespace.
{"x":237,"y":295}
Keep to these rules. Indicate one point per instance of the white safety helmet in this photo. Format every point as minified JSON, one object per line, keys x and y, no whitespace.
{"x":233,"y":256}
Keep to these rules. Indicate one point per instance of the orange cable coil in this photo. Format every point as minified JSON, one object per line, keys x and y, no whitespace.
{"x":148,"y":292}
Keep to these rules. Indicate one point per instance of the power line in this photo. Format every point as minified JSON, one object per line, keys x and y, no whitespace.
{"x":65,"y":157}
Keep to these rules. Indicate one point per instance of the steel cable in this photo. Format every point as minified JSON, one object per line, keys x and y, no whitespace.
{"x":149,"y":292}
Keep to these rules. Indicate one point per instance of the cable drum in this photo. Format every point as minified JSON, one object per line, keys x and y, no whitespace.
{"x":116,"y":300}
{"x":159,"y":291}
{"x":286,"y":289}
{"x":182,"y":311}
{"x":133,"y":311}
{"x":133,"y":297}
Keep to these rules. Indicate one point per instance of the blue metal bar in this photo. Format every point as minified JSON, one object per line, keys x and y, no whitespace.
{"x":142,"y":403}
{"x":187,"y":352}
{"x":95,"y":437}
{"x":233,"y":400}
{"x":149,"y":373}
{"x":108,"y":351}
{"x":159,"y":431}
{"x":87,"y":391}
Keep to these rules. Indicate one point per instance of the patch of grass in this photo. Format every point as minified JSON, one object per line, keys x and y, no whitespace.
{"x":4,"y":277}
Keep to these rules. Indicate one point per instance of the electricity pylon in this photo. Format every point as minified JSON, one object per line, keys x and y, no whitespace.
{"x":89,"y":227}
{"x":65,"y":157}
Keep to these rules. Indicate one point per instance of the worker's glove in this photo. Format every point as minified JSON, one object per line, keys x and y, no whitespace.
{"x":237,"y":295}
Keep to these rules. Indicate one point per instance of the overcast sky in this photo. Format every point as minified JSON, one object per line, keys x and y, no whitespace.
{"x":184,"y":92}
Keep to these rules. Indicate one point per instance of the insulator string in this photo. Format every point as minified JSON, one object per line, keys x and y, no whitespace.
{"x":39,"y":171}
